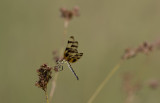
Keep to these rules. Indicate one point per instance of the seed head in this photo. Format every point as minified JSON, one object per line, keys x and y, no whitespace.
{"x":44,"y":73}
{"x":68,"y":14}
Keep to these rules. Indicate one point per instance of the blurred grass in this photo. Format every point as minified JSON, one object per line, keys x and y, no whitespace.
{"x":31,"y":30}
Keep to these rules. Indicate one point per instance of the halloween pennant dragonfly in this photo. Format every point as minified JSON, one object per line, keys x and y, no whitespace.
{"x":71,"y":55}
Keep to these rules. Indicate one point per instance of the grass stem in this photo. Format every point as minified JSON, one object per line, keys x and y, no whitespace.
{"x":104,"y":82}
{"x":61,"y":56}
{"x":53,"y":86}
{"x":46,"y":97}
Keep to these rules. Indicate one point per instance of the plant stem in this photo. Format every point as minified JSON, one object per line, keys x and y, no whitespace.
{"x":61,"y":56}
{"x":46,"y":97}
{"x":104,"y":82}
{"x":53,"y":86}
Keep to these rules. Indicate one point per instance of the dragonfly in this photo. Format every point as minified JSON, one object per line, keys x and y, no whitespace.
{"x":71,"y":55}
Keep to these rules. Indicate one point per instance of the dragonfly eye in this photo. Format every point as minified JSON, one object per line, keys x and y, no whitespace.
{"x":61,"y":68}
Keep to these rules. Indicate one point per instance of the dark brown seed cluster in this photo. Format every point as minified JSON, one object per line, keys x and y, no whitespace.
{"x":44,"y":73}
{"x":56,"y":69}
{"x":68,"y":14}
{"x":144,"y":48}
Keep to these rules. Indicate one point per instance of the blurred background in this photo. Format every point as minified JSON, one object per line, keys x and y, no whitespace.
{"x":31,"y":29}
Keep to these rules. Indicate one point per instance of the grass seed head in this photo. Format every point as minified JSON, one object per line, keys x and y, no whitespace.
{"x":44,"y":73}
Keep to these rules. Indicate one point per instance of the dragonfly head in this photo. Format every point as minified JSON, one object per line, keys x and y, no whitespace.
{"x":59,"y":66}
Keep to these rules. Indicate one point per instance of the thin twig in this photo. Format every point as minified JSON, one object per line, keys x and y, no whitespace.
{"x":46,"y":97}
{"x":104,"y":82}
{"x":53,"y":86}
{"x":61,"y":56}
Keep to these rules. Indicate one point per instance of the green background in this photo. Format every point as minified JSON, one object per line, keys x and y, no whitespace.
{"x":31,"y":29}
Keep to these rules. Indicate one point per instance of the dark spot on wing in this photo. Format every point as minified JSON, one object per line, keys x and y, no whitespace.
{"x":70,"y":41}
{"x":74,"y":60}
{"x":74,"y":46}
{"x":66,"y":54}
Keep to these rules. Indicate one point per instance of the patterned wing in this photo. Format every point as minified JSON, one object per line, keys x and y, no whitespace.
{"x":72,"y":44}
{"x":71,"y":53}
{"x":76,"y":57}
